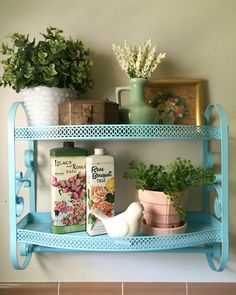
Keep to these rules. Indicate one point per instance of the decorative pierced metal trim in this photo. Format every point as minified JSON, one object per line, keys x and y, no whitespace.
{"x":132,"y":244}
{"x":28,"y":232}
{"x":118,"y":132}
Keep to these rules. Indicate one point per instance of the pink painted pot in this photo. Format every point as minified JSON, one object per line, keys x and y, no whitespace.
{"x":157,"y":231}
{"x":158,"y":209}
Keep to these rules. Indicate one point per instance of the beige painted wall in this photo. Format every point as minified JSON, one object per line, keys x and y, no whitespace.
{"x":200,"y":41}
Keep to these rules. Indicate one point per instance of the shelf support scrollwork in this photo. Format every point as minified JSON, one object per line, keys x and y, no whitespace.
{"x":219,"y":250}
{"x":16,"y":201}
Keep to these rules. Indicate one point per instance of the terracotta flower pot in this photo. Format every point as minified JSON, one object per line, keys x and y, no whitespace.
{"x":157,"y":231}
{"x":159,"y":211}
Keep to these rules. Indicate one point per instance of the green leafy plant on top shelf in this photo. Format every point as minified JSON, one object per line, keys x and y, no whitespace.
{"x":54,"y":62}
{"x":170,"y":179}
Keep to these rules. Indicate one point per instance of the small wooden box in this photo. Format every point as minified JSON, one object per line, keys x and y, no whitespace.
{"x":81,"y":112}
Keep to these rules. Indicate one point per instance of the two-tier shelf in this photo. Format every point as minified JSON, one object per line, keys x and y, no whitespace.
{"x":207,"y":232}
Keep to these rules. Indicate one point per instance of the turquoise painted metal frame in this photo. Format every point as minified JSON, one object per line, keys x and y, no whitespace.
{"x":206,"y":234}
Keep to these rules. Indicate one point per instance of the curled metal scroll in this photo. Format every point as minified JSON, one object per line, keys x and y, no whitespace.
{"x":220,"y":251}
{"x":16,"y":202}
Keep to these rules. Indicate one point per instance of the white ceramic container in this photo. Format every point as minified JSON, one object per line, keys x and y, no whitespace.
{"x":41,"y":104}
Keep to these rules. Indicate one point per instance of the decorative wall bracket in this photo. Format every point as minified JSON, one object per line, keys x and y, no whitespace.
{"x":16,"y":202}
{"x":221,"y":187}
{"x":209,"y":234}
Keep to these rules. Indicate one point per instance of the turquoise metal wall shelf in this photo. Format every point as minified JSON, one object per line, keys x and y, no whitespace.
{"x":206,"y":233}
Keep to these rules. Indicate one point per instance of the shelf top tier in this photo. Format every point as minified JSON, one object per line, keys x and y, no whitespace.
{"x":118,"y":132}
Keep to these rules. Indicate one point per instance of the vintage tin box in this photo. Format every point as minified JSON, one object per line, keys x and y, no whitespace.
{"x":88,"y":112}
{"x":68,"y":185}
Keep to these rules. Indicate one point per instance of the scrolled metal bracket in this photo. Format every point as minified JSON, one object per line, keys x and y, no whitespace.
{"x":26,"y":249}
{"x":219,"y":250}
{"x":16,"y":202}
{"x":19,"y":206}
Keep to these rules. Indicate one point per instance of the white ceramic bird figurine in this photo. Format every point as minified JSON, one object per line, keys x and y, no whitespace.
{"x":125,"y":224}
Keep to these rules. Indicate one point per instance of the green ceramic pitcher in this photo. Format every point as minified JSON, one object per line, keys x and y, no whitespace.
{"x":137,"y":111}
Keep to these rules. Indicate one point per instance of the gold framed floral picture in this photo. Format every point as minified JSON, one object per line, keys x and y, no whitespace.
{"x":177,"y":101}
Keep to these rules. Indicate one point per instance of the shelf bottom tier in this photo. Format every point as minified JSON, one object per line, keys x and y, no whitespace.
{"x":34,"y":229}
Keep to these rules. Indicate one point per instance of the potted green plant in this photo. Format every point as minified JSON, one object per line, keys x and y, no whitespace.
{"x":162,"y":191}
{"x":51,"y":69}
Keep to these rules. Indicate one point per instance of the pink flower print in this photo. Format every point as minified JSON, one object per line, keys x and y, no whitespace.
{"x":66,"y":190}
{"x":76,"y":213}
{"x":75,"y":195}
{"x":82,"y":206}
{"x":105,"y":207}
{"x":98,"y":194}
{"x":81,"y":211}
{"x":81,"y":174}
{"x":170,"y":107}
{"x":109,"y":214}
{"x":63,"y":184}
{"x":74,"y":201}
{"x":96,"y":199}
{"x":68,"y":184}
{"x":72,"y":178}
{"x":74,"y":184}
{"x":72,"y":187}
{"x":77,"y":182}
{"x":55,"y":183}
{"x":60,"y":206}
{"x":170,"y":99}
{"x":80,"y":191}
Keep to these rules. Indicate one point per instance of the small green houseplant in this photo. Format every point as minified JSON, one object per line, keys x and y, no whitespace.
{"x":172,"y":179}
{"x":46,"y":72}
{"x":54,"y":62}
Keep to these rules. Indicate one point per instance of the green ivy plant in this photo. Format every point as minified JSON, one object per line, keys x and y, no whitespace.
{"x":54,"y":62}
{"x":170,"y":179}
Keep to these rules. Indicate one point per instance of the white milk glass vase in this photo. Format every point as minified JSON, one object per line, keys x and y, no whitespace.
{"x":41,"y":103}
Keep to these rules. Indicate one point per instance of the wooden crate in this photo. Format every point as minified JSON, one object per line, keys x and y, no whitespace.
{"x":81,"y":112}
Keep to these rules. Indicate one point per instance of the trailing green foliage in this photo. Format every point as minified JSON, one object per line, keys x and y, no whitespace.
{"x":53,"y":62}
{"x":171,"y":179}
